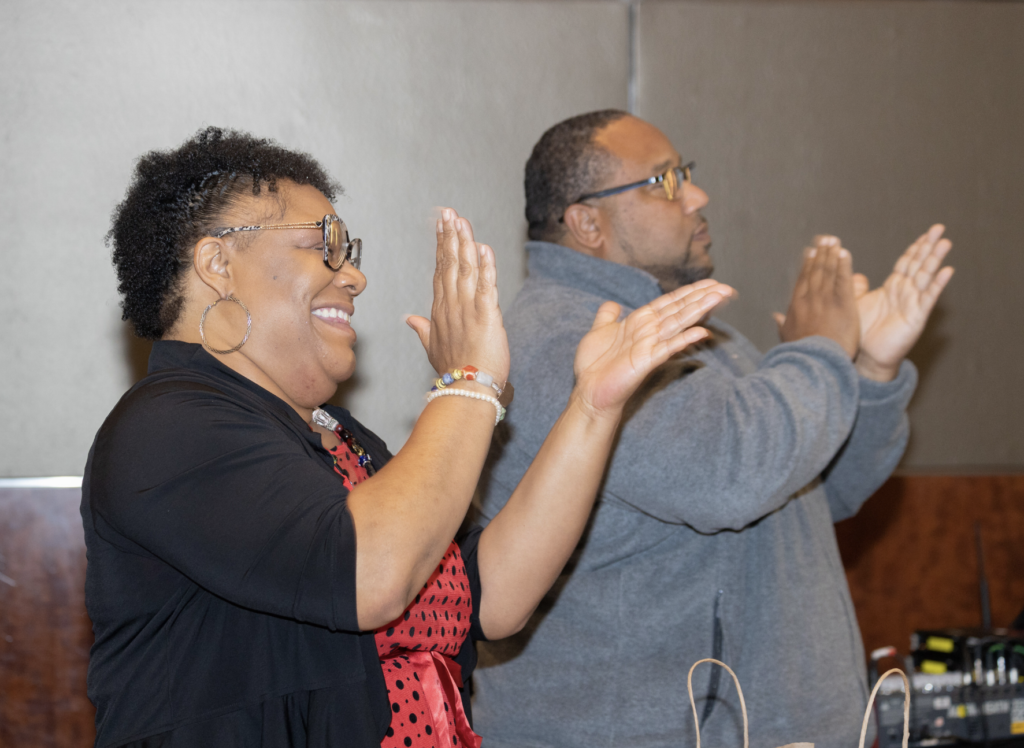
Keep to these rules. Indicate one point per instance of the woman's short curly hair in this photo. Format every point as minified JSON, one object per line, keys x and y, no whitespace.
{"x":565,"y":164}
{"x":177,"y":197}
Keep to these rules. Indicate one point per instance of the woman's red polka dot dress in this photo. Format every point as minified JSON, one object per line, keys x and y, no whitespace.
{"x":416,"y":650}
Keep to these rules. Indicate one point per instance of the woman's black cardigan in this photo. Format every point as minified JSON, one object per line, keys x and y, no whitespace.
{"x":221,"y":574}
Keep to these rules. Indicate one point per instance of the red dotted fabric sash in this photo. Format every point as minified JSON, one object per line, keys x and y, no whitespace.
{"x":416,"y":650}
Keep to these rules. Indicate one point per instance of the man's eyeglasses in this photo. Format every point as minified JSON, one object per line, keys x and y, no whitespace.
{"x":671,"y":181}
{"x":337,"y":246}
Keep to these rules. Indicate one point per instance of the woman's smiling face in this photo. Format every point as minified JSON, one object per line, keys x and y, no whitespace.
{"x":302,"y":337}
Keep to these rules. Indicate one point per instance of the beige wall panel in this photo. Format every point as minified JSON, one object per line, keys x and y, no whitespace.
{"x":409,"y":105}
{"x":870,"y":121}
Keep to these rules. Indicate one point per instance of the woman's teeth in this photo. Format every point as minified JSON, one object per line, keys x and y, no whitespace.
{"x":331,"y":313}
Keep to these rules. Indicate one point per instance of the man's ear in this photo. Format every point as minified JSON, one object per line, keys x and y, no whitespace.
{"x":210,"y":259}
{"x":582,"y":225}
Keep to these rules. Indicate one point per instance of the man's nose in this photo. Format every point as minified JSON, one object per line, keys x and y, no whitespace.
{"x":694,"y":198}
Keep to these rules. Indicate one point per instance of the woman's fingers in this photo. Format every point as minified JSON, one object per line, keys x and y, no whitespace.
{"x":465,"y":321}
{"x":690,"y":313}
{"x":439,"y":260}
{"x":680,"y":293}
{"x":677,"y":331}
{"x":421,"y":326}
{"x":459,"y":260}
{"x":683,"y":340}
{"x":447,"y":270}
{"x":673,"y":303}
{"x":660,"y":329}
{"x":448,"y":253}
{"x":469,"y":259}
{"x":487,"y":277}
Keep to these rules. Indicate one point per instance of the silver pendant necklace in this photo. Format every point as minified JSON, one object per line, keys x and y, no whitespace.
{"x":326,"y":420}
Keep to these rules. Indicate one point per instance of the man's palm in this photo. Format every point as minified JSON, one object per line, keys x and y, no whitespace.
{"x":893,"y":316}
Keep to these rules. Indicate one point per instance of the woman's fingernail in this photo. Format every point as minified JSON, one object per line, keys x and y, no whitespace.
{"x":440,"y":226}
{"x":812,"y":252}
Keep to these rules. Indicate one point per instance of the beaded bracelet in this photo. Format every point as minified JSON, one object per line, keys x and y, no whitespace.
{"x":470,"y":374}
{"x":499,"y":411}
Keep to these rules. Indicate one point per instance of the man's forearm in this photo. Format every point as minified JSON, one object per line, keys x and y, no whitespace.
{"x":718,"y":452}
{"x":875,"y":446}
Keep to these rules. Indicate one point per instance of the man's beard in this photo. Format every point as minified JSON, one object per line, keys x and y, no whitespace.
{"x":675,"y":275}
{"x":671,"y":277}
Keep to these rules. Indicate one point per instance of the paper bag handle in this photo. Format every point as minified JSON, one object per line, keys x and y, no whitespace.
{"x":743,"y":704}
{"x":871,"y":701}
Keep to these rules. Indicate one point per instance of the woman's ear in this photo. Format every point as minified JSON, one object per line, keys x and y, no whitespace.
{"x":581,"y":223}
{"x":210,"y":259}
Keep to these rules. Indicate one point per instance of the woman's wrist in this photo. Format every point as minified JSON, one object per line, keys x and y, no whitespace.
{"x":580,"y":403}
{"x":468,"y":384}
{"x":502,"y":390}
{"x":460,"y":392}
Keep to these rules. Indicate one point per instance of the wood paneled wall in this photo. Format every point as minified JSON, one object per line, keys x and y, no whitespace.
{"x":45,"y":634}
{"x":909,"y":555}
{"x":911,"y":561}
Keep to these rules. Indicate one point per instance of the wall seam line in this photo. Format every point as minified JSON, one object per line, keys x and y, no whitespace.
{"x":632,"y":31}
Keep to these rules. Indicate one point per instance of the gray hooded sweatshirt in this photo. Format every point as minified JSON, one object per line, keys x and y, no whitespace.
{"x":712,"y":535}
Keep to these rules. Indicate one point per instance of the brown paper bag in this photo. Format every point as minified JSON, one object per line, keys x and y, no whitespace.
{"x":743,"y":706}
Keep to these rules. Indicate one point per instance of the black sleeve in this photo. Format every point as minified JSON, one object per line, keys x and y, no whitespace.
{"x":220,"y":491}
{"x":468,"y":540}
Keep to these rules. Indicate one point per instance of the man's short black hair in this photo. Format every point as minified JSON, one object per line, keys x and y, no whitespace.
{"x":565,"y":164}
{"x":178,"y":197}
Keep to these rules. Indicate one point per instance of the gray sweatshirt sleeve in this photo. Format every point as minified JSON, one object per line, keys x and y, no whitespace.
{"x":719,"y":451}
{"x":875,"y":446}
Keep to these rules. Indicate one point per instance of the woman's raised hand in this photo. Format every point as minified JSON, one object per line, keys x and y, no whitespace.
{"x":616,"y":355}
{"x":465,"y":326}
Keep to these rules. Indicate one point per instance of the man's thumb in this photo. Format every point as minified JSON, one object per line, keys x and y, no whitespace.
{"x":860,"y":285}
{"x":780,"y":320}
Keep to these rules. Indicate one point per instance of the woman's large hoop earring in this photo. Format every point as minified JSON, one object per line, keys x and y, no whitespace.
{"x":248,"y":326}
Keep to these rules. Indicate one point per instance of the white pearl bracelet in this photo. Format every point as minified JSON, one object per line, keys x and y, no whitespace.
{"x":499,"y":411}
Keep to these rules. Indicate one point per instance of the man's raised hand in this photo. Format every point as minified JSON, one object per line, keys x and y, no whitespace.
{"x":823,"y":300}
{"x":893,"y":316}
